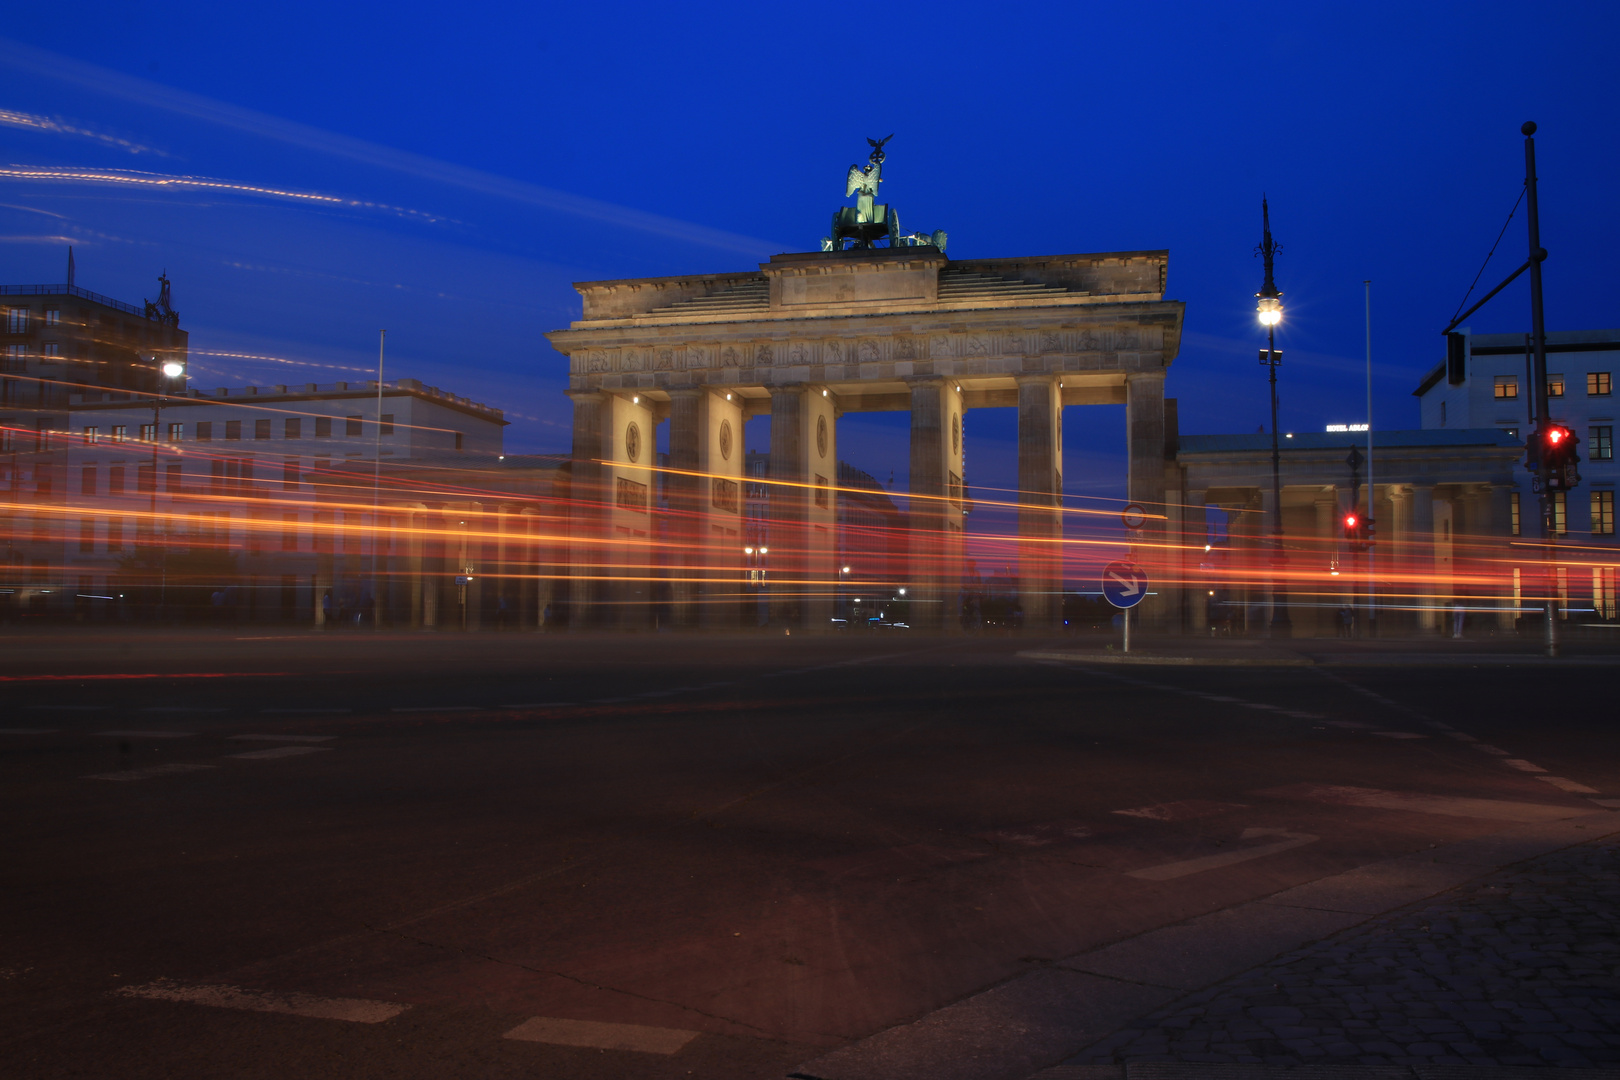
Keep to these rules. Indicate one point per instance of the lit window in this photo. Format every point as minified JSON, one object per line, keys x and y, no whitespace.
{"x":53,"y":316}
{"x":148,"y":433}
{"x":1602,"y":439}
{"x":1597,"y":383}
{"x":1555,"y":386}
{"x":16,"y":357}
{"x":52,"y":350}
{"x":120,"y":433}
{"x":1516,"y":527}
{"x":177,"y":432}
{"x":17,"y":320}
{"x":1560,"y":509}
{"x":1602,"y":513}
{"x":92,"y":435}
{"x":1507,"y":386}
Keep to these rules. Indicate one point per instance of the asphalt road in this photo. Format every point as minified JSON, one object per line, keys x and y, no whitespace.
{"x":279,"y":855}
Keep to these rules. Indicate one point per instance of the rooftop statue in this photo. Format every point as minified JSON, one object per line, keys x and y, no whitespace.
{"x":868,"y":221}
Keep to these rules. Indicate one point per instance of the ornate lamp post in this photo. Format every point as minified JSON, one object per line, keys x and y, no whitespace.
{"x":1270,"y":312}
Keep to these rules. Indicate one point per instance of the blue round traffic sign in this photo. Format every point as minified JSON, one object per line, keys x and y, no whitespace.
{"x":1124,"y":584}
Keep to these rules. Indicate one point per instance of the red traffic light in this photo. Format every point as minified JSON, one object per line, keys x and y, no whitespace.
{"x":1349,"y":521}
{"x":1556,"y":435}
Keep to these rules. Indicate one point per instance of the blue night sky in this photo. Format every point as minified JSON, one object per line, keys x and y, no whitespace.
{"x":446,"y":172}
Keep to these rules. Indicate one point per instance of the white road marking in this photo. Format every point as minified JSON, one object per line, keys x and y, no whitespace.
{"x":1300,"y":714}
{"x":71,"y":708}
{"x":28,"y":731}
{"x":280,"y":752}
{"x":306,"y":711}
{"x":1487,"y":748}
{"x":1563,"y":784}
{"x":1399,"y":735}
{"x":148,"y":772}
{"x":283,"y":738}
{"x":148,"y":734}
{"x":1462,"y":736}
{"x":540,"y":705}
{"x":356,"y":1010}
{"x":178,"y":709}
{"x":1171,"y":871}
{"x":1422,"y":803}
{"x":1522,"y":765}
{"x":1185,"y":810}
{"x":436,"y":708}
{"x":602,"y":1036}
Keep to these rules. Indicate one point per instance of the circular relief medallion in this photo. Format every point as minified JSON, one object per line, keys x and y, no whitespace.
{"x":725,"y":440}
{"x":956,"y":433}
{"x":821,"y":435}
{"x":632,"y":442}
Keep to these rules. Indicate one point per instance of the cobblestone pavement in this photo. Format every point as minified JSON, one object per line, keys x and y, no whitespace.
{"x":1521,"y":968}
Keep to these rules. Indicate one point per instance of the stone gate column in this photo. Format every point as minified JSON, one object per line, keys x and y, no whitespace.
{"x":720,"y":516}
{"x":1040,"y":485}
{"x":804,"y":470}
{"x":1500,"y":534}
{"x":1145,"y":452}
{"x":630,"y":449}
{"x":934,"y":514}
{"x":686,"y":527}
{"x":1194,"y":534}
{"x":587,"y":514}
{"x":1419,"y":545}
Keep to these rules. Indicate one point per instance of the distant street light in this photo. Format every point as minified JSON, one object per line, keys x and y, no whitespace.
{"x":1270,"y":311}
{"x":174,"y":369}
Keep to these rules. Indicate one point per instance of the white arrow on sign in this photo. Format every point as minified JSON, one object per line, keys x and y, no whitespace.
{"x":1130,"y":582}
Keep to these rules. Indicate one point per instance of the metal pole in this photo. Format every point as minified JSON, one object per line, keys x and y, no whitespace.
{"x":1127,"y":629}
{"x":1372,"y":498}
{"x":1538,"y":342}
{"x":376,"y":480}
{"x":1282,"y":623}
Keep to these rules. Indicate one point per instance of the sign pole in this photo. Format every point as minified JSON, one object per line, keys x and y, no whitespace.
{"x":1127,"y":617}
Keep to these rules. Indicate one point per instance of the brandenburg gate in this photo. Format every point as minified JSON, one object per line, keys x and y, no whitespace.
{"x":876,"y":320}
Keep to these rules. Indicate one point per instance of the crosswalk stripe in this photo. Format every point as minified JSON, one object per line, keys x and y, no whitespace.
{"x":355,"y":1010}
{"x":601,"y":1036}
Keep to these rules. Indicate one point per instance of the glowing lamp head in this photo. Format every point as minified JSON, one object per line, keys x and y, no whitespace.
{"x":1556,"y":435}
{"x":1350,"y":521}
{"x":174,"y":369}
{"x":764,"y":551}
{"x":748,"y":551}
{"x":1270,"y":310}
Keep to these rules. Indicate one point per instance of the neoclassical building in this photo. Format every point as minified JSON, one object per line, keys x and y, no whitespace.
{"x":806,"y":338}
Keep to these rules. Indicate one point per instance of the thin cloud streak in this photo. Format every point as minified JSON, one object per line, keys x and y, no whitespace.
{"x":40,"y":62}
{"x":31,"y":122}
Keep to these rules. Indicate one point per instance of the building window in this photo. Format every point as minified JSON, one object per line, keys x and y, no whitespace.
{"x":261,"y":429}
{"x":92,"y":435}
{"x":148,"y":433}
{"x":352,"y":427}
{"x":387,"y":424}
{"x":51,"y":350}
{"x":1597,"y":383}
{"x":1516,"y":526}
{"x":1442,"y":414}
{"x":145,"y":481}
{"x":115,"y":533}
{"x":177,"y":432}
{"x":120,"y":433}
{"x":174,"y":481}
{"x":233,"y":430}
{"x":1555,"y":386}
{"x":16,"y":357}
{"x":1507,"y":386}
{"x":1602,"y":513}
{"x":458,"y":440}
{"x":205,"y":431}
{"x":87,"y":481}
{"x":289,"y":532}
{"x":17,"y":320}
{"x":323,"y":427}
{"x":115,"y":480}
{"x":291,"y":428}
{"x":1603,"y":591}
{"x":1602,"y":442}
{"x":87,"y":535}
{"x":1560,"y":509}
{"x":53,"y":316}
{"x":290,"y":479}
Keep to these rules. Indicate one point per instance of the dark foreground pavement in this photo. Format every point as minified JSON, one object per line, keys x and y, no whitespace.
{"x":503,"y":855}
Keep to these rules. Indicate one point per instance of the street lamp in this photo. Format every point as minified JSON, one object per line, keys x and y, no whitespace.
{"x":1270,"y":312}
{"x":169,"y":370}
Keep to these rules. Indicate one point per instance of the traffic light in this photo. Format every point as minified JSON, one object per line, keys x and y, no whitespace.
{"x":1352,"y":531}
{"x":1556,"y":453}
